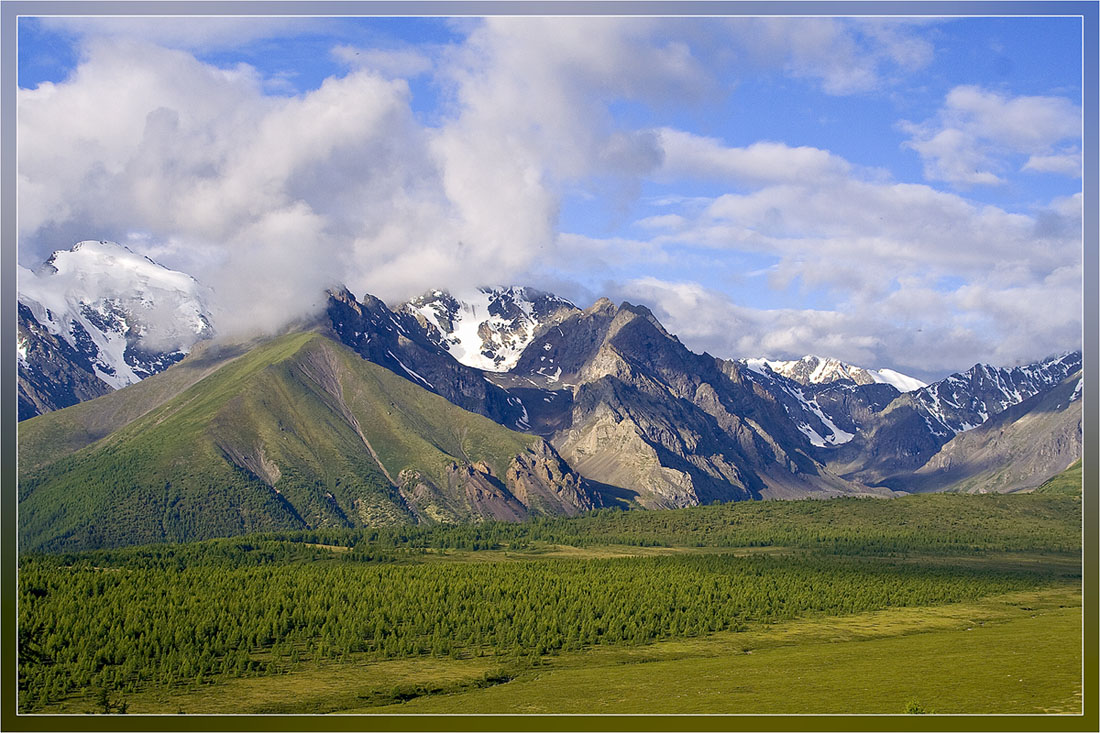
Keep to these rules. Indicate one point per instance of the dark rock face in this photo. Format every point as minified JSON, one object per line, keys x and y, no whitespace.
{"x":52,"y":374}
{"x":395,"y":341}
{"x":559,"y":354}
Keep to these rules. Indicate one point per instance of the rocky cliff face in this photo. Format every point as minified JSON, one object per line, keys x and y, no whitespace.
{"x":542,"y":481}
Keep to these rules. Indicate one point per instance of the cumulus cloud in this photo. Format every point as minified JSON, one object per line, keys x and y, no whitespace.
{"x":692,"y":156}
{"x":271,"y":199}
{"x":917,"y":279}
{"x":534,"y":116}
{"x":845,"y":56}
{"x":339,"y":184}
{"x":973,"y":137}
{"x":302,"y":191}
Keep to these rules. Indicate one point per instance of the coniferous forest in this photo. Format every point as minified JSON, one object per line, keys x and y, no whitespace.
{"x":105,"y":626}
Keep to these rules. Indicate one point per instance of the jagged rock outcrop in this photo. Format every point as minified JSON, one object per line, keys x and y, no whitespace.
{"x":541,"y":480}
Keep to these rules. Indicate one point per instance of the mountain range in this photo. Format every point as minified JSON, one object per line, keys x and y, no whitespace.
{"x":504,"y":403}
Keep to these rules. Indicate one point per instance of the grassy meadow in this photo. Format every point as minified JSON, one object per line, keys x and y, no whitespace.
{"x":772,"y":607}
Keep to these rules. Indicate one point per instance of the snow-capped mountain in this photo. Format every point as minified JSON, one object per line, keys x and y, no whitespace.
{"x":396,"y":341}
{"x":812,"y":369}
{"x":102,"y":309}
{"x":624,"y":401}
{"x":968,"y":399}
{"x":490,"y":327}
{"x":900,"y":437}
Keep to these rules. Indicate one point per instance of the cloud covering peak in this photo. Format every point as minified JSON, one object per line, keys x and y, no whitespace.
{"x":716,"y":169}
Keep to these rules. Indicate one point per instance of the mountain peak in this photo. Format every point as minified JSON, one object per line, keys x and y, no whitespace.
{"x":603,"y":306}
{"x":489,"y":327}
{"x":128,"y":316}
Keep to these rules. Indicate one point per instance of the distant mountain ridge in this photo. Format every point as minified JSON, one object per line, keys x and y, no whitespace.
{"x":812,"y":369}
{"x":624,"y":413}
{"x":1041,"y":435}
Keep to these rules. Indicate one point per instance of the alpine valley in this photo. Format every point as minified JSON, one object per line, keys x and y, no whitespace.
{"x":139,"y":425}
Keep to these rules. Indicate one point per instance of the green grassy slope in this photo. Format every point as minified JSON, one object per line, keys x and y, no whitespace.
{"x":1066,"y":483}
{"x":45,"y":438}
{"x":275,"y":438}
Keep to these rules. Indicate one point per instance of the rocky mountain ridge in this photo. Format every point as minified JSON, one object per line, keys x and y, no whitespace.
{"x":625,"y":405}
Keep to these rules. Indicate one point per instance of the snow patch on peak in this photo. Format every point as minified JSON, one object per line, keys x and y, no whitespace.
{"x":813,"y":369}
{"x":487,"y":328}
{"x":902,"y":382}
{"x":129,"y":315}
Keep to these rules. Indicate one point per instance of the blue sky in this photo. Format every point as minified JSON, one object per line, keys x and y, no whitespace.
{"x":900,"y":193}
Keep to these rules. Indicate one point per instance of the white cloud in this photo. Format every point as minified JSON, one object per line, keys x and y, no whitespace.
{"x":271,"y":199}
{"x":267,"y":199}
{"x":401,"y":63}
{"x":692,"y":156}
{"x":918,"y":331}
{"x":971,"y":138}
{"x":341,"y":183}
{"x":915,"y":279}
{"x":1066,"y":164}
{"x":846,"y":56}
